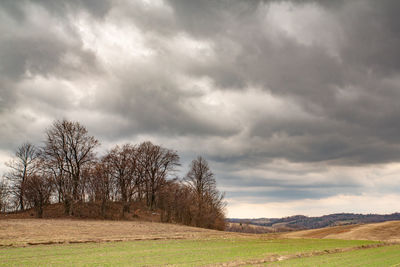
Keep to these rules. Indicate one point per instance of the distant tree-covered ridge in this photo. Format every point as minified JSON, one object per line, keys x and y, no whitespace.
{"x":305,"y":222}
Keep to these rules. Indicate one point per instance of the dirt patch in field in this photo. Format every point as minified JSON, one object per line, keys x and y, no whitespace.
{"x":389,"y":231}
{"x":22,"y":232}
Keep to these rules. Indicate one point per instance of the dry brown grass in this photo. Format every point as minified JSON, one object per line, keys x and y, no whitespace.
{"x":20,"y":232}
{"x":389,"y":231}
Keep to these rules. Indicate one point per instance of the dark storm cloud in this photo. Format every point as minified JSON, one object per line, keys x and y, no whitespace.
{"x":40,"y":55}
{"x":60,"y":8}
{"x":38,"y":41}
{"x":353,"y":95}
{"x":155,"y":106}
{"x":245,"y":83}
{"x":32,"y":45}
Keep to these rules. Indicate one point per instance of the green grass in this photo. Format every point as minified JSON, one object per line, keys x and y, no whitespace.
{"x":162,"y":252}
{"x":383,"y":256}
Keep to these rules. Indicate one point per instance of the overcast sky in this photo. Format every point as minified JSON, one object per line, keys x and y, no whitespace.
{"x":296,"y":104}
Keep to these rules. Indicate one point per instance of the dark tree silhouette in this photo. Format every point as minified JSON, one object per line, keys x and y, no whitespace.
{"x":121,"y":164}
{"x":4,"y":194}
{"x":209,"y":201}
{"x":67,"y":170}
{"x":100,"y":185}
{"x":38,"y":189}
{"x":157,"y":163}
{"x":21,"y":166}
{"x":69,"y":149}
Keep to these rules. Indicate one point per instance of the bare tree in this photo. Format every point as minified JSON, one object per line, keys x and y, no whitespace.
{"x":208,"y":199}
{"x":4,"y":194}
{"x":54,"y":168}
{"x":121,"y":162}
{"x":201,"y":180}
{"x":176,"y":203}
{"x":38,"y":189}
{"x":21,"y":166}
{"x":157,"y":163}
{"x":69,"y":149}
{"x":67,"y":165}
{"x":100,"y":185}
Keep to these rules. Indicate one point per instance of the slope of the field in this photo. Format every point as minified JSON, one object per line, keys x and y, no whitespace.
{"x":249,"y":251}
{"x":20,"y":232}
{"x":389,"y":231}
{"x":377,"y":257}
{"x":72,"y":242}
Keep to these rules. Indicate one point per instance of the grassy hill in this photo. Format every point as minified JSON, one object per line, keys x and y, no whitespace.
{"x":376,"y":231}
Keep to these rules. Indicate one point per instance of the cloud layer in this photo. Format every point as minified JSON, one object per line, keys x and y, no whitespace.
{"x":291,"y":101}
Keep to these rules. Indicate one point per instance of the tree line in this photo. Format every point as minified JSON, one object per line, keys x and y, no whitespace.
{"x":67,"y":170}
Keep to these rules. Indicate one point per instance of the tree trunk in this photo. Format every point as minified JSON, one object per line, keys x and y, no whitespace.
{"x":21,"y":201}
{"x":67,"y":206}
{"x":152,"y":200}
{"x":103,"y":208}
{"x":39,"y":209}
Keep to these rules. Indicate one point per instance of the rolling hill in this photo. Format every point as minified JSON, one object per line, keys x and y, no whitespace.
{"x":387,"y":231}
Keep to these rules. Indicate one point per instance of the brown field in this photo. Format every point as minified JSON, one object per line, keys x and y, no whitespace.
{"x":388,"y":231}
{"x":21,"y":232}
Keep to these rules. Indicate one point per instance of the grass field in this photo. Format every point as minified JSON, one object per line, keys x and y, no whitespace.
{"x":135,"y":243}
{"x":235,"y":251}
{"x":382,"y":256}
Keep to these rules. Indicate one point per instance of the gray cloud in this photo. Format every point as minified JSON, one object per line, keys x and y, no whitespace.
{"x":59,"y":8}
{"x":352,"y":94}
{"x":245,"y":83}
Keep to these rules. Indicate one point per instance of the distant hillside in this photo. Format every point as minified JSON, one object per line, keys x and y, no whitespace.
{"x":305,"y":222}
{"x":373,"y":231}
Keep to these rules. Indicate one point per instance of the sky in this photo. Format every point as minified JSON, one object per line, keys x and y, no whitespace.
{"x":295,"y":104}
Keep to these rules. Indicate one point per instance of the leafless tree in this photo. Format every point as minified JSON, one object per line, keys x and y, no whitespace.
{"x":54,"y":169}
{"x":121,"y":162}
{"x":157,"y":164}
{"x":69,"y":149}
{"x":176,"y":203}
{"x":38,"y":189}
{"x":209,"y":201}
{"x":21,"y":166}
{"x":4,"y":194}
{"x":67,"y":169}
{"x":100,"y":185}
